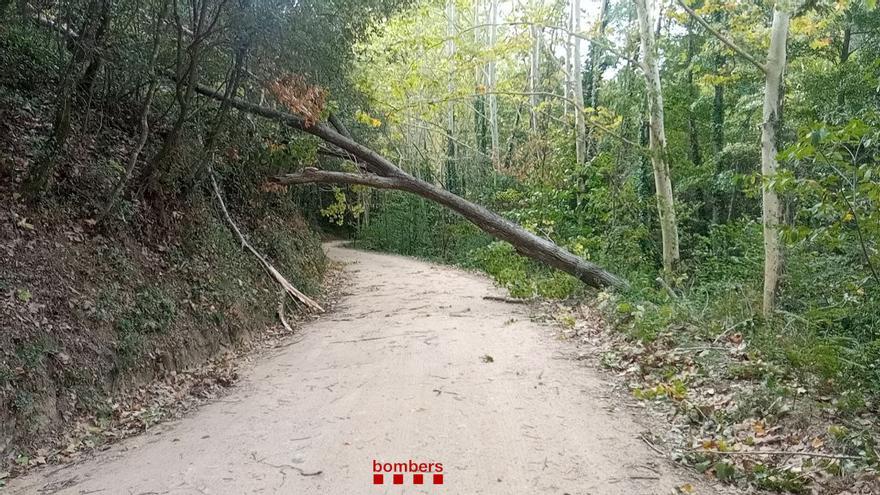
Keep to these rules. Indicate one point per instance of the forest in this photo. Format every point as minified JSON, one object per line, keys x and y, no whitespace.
{"x":702,"y":174}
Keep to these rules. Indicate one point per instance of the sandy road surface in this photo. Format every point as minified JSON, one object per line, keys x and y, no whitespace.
{"x":397,"y":372}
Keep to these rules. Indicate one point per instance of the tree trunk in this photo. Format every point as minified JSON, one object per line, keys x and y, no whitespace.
{"x":186,"y":75}
{"x":596,"y":67}
{"x":577,"y":80}
{"x":534,"y":76}
{"x":567,"y":85}
{"x":693,"y":130}
{"x":844,"y":56}
{"x":451,"y":174}
{"x":82,"y":49}
{"x":87,"y":83}
{"x":770,"y":200}
{"x":383,"y":174}
{"x":657,"y":139}
{"x":481,"y":129}
{"x":493,"y":99}
{"x":718,"y":120}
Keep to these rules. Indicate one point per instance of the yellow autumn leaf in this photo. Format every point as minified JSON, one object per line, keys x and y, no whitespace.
{"x":820,"y":43}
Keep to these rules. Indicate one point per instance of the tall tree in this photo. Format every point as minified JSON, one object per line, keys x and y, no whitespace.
{"x":534,"y":76}
{"x":772,"y":212}
{"x":577,"y":82}
{"x":694,"y":152}
{"x":771,"y":208}
{"x":596,"y":66}
{"x":492,"y":76}
{"x":451,"y":175}
{"x":657,"y":137}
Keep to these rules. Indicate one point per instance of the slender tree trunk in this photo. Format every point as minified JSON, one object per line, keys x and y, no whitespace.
{"x":772,"y":215}
{"x":844,"y":56}
{"x":481,"y":129}
{"x":451,"y":173}
{"x":567,"y":76}
{"x":693,"y":130}
{"x":82,"y":51}
{"x":657,"y":139}
{"x":87,"y":84}
{"x":596,"y":66}
{"x":577,"y":81}
{"x":718,"y":119}
{"x":493,"y":99}
{"x":186,"y":75}
{"x":717,"y":141}
{"x":534,"y":77}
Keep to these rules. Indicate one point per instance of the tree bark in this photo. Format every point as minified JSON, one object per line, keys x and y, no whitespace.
{"x":534,"y":75}
{"x":383,"y":174}
{"x":492,"y":76}
{"x":597,"y":67}
{"x":657,"y":139}
{"x":844,"y":56}
{"x":770,"y":200}
{"x":693,"y":131}
{"x":450,"y":175}
{"x":718,"y":119}
{"x":580,"y":132}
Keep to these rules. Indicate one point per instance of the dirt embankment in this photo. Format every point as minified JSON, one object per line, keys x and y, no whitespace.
{"x":91,"y":317}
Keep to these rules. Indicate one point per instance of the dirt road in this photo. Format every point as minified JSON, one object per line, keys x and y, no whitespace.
{"x":413,"y":365}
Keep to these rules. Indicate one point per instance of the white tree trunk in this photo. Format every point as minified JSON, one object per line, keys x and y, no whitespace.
{"x":662,"y":180}
{"x":567,"y":84}
{"x":775,"y":68}
{"x":534,"y":77}
{"x":577,"y":80}
{"x":450,"y":82}
{"x":493,"y":100}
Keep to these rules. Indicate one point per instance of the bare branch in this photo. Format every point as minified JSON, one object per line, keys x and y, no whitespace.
{"x":287,"y":286}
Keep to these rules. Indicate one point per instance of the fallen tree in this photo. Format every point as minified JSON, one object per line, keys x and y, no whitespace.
{"x":381,"y":173}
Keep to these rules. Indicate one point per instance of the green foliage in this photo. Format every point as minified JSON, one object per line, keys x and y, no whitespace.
{"x":33,"y":354}
{"x":153,"y":312}
{"x":30,"y":51}
{"x":23,"y":295}
{"x":521,"y":276}
{"x":412,"y":226}
{"x":337,"y":211}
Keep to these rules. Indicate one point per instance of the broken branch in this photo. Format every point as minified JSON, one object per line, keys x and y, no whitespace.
{"x":288,"y":287}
